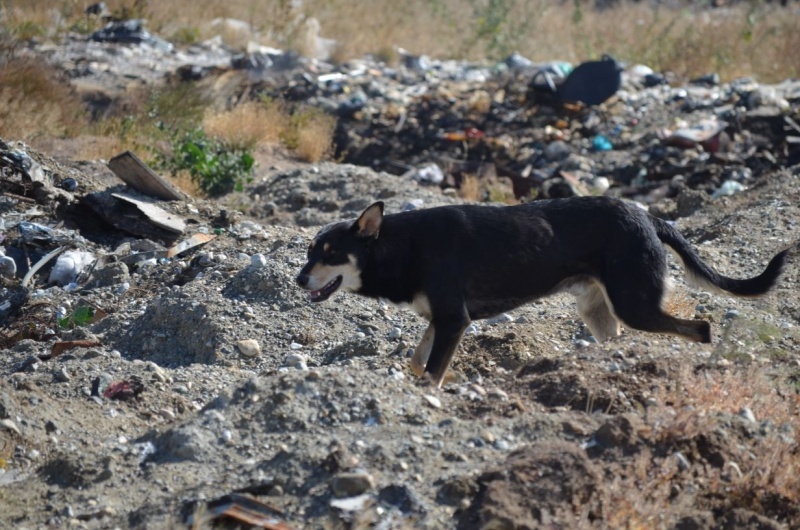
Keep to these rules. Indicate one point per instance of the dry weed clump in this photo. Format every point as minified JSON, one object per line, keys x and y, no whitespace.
{"x":34,"y":102}
{"x":307,"y":131}
{"x":248,"y":125}
{"x":760,"y":473}
{"x":470,"y":188}
{"x":315,"y":140}
{"x":708,"y":392}
{"x":765,"y":476}
{"x":310,"y":134}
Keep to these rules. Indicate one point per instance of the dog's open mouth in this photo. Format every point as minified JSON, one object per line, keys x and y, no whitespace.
{"x":323,"y":294}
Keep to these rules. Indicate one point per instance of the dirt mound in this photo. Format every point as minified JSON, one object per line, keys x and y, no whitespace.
{"x":541,"y":486}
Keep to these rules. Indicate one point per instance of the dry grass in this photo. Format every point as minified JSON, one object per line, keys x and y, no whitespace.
{"x":35,"y":103}
{"x":248,"y":125}
{"x":771,"y":465}
{"x":306,"y":131}
{"x":756,"y":472}
{"x":751,"y":38}
{"x":315,"y":139}
{"x":310,"y":134}
{"x":470,"y":189}
{"x":707,"y":392}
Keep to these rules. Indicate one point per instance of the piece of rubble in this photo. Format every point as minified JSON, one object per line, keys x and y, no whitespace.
{"x":351,"y":484}
{"x":130,"y":169}
{"x":242,"y":509}
{"x":249,"y":347}
{"x":136,"y":217}
{"x":195,"y":241}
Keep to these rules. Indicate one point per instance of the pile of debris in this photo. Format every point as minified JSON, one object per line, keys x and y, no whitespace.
{"x":545,"y":130}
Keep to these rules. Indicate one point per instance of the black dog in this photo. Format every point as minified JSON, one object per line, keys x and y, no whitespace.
{"x":455,"y":264}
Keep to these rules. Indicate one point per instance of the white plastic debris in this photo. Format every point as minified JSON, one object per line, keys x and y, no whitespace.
{"x":69,"y":266}
{"x":8,"y":267}
{"x":431,"y":174}
{"x":729,"y":187}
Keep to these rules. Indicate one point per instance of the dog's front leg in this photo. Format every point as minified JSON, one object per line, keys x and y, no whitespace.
{"x":449,"y":330}
{"x":423,"y":352}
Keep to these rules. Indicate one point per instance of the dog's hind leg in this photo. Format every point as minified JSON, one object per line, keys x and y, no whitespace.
{"x":422,"y":352}
{"x":595,"y":311}
{"x":636,"y":297}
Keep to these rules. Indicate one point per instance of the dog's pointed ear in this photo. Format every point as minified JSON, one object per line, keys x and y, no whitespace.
{"x":369,"y":222}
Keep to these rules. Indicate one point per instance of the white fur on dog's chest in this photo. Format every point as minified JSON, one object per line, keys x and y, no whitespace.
{"x":419,"y":304}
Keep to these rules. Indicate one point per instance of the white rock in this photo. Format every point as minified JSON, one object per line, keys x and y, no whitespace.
{"x":249,"y":347}
{"x":433,"y":401}
{"x":502,"y":318}
{"x":294,"y":358}
{"x":747,"y":414}
{"x":258,"y":261}
{"x":10,"y":426}
{"x":351,"y":504}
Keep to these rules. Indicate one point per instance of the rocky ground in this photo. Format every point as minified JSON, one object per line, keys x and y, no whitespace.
{"x":159,"y":392}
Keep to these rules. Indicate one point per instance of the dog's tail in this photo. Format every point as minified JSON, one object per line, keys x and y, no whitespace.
{"x":701,"y":275}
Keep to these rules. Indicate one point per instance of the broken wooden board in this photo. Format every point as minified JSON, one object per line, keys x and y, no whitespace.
{"x":158,"y":216}
{"x":140,"y":177}
{"x":194,"y":241}
{"x":135,"y":216}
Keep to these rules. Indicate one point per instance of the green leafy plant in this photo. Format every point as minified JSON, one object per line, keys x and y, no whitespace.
{"x":80,"y":317}
{"x":214,"y":166}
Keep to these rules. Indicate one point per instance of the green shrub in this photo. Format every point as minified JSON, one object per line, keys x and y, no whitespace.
{"x":215,"y":167}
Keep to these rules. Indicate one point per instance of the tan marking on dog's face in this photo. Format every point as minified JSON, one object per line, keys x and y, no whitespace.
{"x":326,"y":247}
{"x":322,"y":274}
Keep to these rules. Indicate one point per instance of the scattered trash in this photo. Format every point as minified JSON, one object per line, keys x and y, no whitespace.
{"x":60,"y":347}
{"x":18,"y":160}
{"x":729,"y":187}
{"x":136,"y":217}
{"x":601,"y":143}
{"x":123,"y":390}
{"x":352,"y":504}
{"x":241,"y":509}
{"x":68,"y":184}
{"x":140,"y":177}
{"x":41,"y":263}
{"x":155,"y":215}
{"x":430,"y":174}
{"x":8,"y":267}
{"x":69,"y":266}
{"x":705,"y":133}
{"x":195,"y":241}
{"x":592,"y":82}
{"x":130,"y":32}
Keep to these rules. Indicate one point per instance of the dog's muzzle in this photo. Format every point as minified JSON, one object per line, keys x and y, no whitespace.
{"x":319,"y":295}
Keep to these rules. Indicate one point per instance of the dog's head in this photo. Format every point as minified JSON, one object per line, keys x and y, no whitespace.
{"x":335,"y":255}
